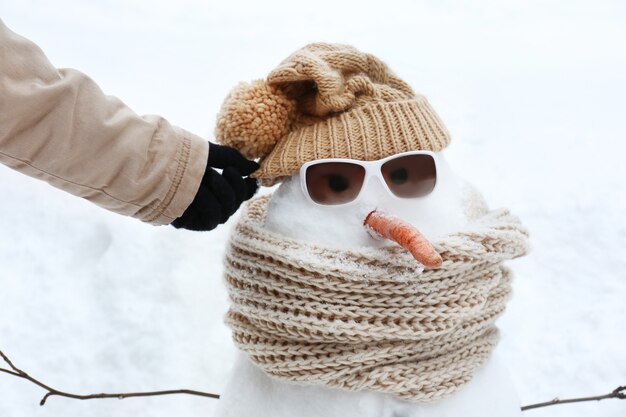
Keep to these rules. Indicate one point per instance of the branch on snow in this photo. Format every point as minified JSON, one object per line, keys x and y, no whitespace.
{"x":619,"y":392}
{"x":15,"y":371}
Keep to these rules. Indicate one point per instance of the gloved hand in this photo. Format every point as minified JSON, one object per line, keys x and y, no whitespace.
{"x":220,"y":195}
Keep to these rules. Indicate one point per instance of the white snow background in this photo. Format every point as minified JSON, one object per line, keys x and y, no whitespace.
{"x":533,"y":92}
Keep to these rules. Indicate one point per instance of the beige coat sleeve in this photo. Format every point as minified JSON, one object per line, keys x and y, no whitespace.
{"x":58,"y":126}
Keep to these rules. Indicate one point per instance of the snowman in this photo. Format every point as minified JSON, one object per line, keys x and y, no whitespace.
{"x":368,"y":283}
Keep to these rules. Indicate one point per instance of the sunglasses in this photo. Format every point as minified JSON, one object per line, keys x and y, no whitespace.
{"x":337,"y":181}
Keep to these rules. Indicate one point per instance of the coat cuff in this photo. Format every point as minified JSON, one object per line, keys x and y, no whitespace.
{"x":192,"y":162}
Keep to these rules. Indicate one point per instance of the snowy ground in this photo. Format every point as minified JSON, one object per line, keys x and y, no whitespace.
{"x":532,"y":91}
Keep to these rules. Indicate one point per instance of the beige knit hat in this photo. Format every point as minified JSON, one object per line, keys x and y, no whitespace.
{"x":326,"y":101}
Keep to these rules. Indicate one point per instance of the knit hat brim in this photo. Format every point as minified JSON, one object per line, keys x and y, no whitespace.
{"x":366,"y":133}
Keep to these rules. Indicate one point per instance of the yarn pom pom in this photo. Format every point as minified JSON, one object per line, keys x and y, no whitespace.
{"x":253,"y":118}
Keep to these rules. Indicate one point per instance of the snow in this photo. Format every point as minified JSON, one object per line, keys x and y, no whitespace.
{"x":532,"y":91}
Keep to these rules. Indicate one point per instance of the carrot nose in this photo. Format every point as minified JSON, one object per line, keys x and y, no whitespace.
{"x":404,"y":234}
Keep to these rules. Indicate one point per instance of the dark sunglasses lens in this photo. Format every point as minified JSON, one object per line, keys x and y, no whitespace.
{"x":410,"y":176}
{"x":334,"y":182}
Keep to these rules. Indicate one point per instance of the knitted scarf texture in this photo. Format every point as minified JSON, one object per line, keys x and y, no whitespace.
{"x":373,"y":318}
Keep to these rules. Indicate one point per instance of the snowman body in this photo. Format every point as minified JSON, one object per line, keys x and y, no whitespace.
{"x":250,"y":392}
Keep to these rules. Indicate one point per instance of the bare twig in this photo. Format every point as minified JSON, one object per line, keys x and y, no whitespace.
{"x":618,"y":393}
{"x":15,"y":371}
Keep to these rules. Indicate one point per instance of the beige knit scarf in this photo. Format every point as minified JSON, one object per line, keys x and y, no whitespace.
{"x":370,"y":319}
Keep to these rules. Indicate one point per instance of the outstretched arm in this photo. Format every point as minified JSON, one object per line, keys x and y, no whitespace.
{"x":58,"y":126}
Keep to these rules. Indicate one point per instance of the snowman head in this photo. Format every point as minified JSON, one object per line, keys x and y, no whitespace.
{"x":328,"y":105}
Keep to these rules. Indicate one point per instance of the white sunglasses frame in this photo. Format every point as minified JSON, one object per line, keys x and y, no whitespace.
{"x":372,"y":169}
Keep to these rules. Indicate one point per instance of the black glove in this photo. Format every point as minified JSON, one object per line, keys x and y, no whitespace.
{"x":220,"y":195}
